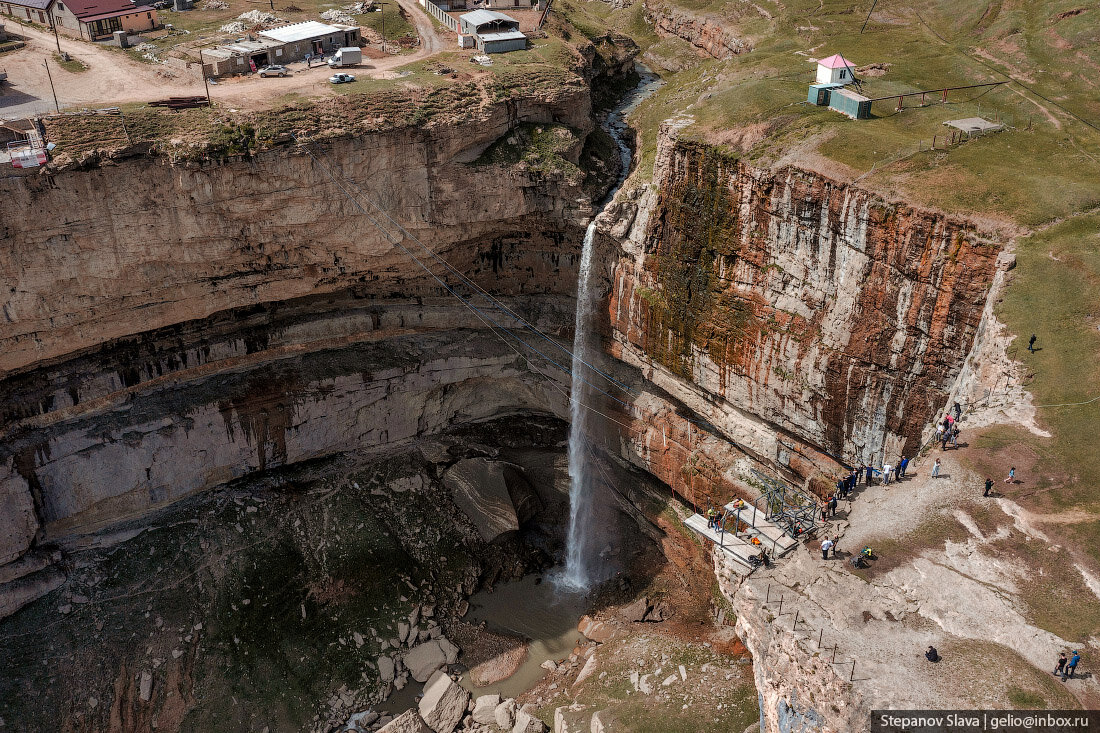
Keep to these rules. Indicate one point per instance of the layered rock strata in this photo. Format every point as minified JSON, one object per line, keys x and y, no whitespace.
{"x":177,"y":326}
{"x":807,"y":321}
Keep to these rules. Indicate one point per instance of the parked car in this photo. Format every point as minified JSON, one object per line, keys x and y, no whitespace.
{"x":274,"y":70}
{"x":341,"y":78}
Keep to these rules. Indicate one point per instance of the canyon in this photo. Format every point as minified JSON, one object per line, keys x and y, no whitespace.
{"x":255,"y":433}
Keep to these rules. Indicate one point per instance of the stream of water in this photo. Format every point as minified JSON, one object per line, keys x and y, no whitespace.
{"x":583,"y":565}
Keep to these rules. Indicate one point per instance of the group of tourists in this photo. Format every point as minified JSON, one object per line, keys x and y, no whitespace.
{"x":1066,"y":667}
{"x":947,"y":429}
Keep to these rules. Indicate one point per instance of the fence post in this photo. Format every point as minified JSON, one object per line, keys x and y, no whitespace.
{"x":852,"y":676}
{"x":833,"y":660}
{"x":795,"y":624}
{"x":766,"y":600}
{"x":780,"y":607}
{"x":819,"y":637}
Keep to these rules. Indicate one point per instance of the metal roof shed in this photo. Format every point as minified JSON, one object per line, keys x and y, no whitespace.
{"x":494,"y":32}
{"x":305,"y":31}
{"x":856,"y":106}
{"x":819,"y":94}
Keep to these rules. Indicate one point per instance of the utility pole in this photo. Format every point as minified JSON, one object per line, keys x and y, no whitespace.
{"x":205,"y":81}
{"x":53,"y":24}
{"x":383,"y":5}
{"x":56,"y":106}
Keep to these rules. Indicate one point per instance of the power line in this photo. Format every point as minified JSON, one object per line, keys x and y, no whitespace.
{"x":477,"y":289}
{"x":481,"y":314}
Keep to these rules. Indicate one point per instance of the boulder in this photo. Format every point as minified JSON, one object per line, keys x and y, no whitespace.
{"x":444,"y":703}
{"x":659,"y":612}
{"x":524,"y":497}
{"x":450,"y":650}
{"x":478,"y":487}
{"x":424,"y":659}
{"x":604,"y":722}
{"x":505,"y":714}
{"x":406,"y":722}
{"x":403,"y":631}
{"x":484,"y":707}
{"x":528,"y":723}
{"x":637,"y":610}
{"x":597,"y":631}
{"x":386,"y":669}
{"x":572,"y":719}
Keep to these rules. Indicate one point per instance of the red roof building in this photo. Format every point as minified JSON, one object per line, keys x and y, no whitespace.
{"x":96,"y":19}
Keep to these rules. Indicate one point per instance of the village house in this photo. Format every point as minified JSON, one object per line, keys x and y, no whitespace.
{"x":90,"y":19}
{"x":279,"y":46}
{"x":492,"y":32}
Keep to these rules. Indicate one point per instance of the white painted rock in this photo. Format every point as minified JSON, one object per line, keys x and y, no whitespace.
{"x":145,"y":688}
{"x":444,"y":703}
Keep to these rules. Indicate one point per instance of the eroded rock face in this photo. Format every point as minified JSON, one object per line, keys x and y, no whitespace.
{"x":708,"y":35}
{"x":804,"y":318}
{"x":144,"y":244}
{"x":195,"y":324}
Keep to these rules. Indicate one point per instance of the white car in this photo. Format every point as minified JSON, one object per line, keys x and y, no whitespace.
{"x":273,"y":70}
{"x":341,"y":78}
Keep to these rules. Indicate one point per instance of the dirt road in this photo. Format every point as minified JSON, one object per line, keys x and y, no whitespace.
{"x":113,"y":77}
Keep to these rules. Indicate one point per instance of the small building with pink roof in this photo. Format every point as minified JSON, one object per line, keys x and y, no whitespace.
{"x":834,"y":70}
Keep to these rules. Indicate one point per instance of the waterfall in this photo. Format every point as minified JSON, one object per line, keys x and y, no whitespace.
{"x":582,"y":559}
{"x":581,"y":553}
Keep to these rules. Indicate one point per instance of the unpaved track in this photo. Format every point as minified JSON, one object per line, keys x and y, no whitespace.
{"x":113,"y":77}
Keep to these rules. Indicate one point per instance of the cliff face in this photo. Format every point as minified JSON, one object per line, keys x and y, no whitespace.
{"x":710,"y":36}
{"x":170,"y":328}
{"x":799,"y":315}
{"x":141,"y":244}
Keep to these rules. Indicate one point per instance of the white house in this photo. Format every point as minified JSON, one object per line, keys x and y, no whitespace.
{"x":834,"y":70}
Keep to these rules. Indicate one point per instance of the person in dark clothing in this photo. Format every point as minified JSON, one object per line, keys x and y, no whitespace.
{"x":932,"y":655}
{"x":988,"y":486}
{"x":870,"y":475}
{"x":1060,"y":667}
{"x":958,"y":412}
{"x":1031,"y":344}
{"x":832,"y":505}
{"x":903,"y":466}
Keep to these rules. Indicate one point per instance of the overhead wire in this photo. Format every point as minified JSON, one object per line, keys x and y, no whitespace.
{"x":489,"y":321}
{"x":474,"y":286}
